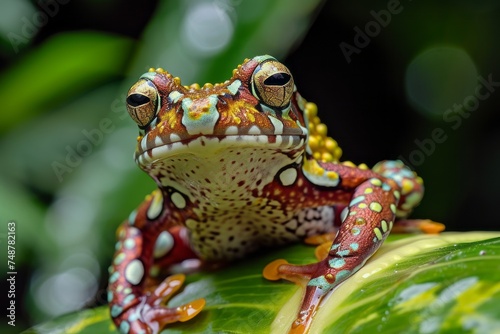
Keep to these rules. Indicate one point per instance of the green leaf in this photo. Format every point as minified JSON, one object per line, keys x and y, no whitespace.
{"x":64,"y":66}
{"x":448,"y":283}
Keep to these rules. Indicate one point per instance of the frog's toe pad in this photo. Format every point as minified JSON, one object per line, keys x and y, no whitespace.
{"x":271,"y":271}
{"x":431,"y":227}
{"x":321,"y":252}
{"x":190,"y":310}
{"x":426,"y":226}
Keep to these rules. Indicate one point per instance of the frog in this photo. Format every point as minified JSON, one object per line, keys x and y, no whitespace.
{"x":240,"y":166}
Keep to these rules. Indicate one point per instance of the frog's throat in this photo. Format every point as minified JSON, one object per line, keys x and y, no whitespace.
{"x":214,"y":146}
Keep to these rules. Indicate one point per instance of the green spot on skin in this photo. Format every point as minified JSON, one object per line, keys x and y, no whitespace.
{"x":128,"y":299}
{"x":368,"y":190}
{"x":357,"y":200}
{"x":383,"y":224}
{"x":337,"y":263}
{"x":362,"y":205}
{"x":202,"y":119}
{"x":148,"y":75}
{"x":343,"y":253}
{"x":261,"y":58}
{"x":175,"y":96}
{"x":321,"y":283}
{"x":341,"y":275}
{"x":131,"y":217}
{"x":355,"y":231}
{"x":334,"y":247}
{"x":110,"y":296}
{"x":396,"y":194}
{"x":119,"y":258}
{"x":133,"y":317}
{"x":376,"y":182}
{"x":393,"y":208}
{"x":114,"y":277}
{"x":377,"y":232}
{"x":375,"y":206}
{"x":129,"y":243}
{"x":124,"y":326}
{"x":352,"y":213}
{"x":233,"y":87}
{"x":116,"y":310}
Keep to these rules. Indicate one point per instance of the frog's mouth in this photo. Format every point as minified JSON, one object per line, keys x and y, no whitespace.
{"x":151,"y":151}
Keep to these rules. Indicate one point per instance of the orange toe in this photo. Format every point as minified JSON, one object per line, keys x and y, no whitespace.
{"x":190,"y":310}
{"x":431,"y":227}
{"x":271,"y":271}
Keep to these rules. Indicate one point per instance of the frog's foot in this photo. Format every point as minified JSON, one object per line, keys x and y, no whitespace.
{"x":317,"y":278}
{"x":149,"y":315}
{"x":426,"y":226}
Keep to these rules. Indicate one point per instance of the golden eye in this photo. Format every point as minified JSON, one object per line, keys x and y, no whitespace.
{"x":272,"y":83}
{"x":142,"y":102}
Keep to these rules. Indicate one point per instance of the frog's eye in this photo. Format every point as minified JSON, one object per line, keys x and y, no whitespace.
{"x":142,"y":102}
{"x":272,"y":83}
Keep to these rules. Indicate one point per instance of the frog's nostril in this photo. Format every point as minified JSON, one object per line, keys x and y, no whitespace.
{"x":136,"y":100}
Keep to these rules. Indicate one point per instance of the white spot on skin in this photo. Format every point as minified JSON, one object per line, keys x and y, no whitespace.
{"x":178,"y":200}
{"x":343,"y":214}
{"x":231,"y":130}
{"x":288,"y":176}
{"x":158,"y":141}
{"x":164,"y":243}
{"x":254,"y":130}
{"x":304,"y":130}
{"x":174,"y":138}
{"x":134,"y":272}
{"x":144,"y":141}
{"x":278,"y":125}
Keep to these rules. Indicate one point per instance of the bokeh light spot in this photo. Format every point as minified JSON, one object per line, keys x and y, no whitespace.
{"x":440,"y":77}
{"x":66,"y":291}
{"x":207,"y":28}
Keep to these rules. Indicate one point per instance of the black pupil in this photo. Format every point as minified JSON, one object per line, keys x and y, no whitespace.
{"x":136,"y":100}
{"x":277,"y":79}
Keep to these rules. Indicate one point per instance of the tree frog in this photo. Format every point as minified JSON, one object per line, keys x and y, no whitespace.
{"x":243,"y":165}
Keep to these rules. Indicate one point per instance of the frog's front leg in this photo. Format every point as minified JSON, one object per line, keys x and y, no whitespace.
{"x":366,"y":222}
{"x":145,"y":240}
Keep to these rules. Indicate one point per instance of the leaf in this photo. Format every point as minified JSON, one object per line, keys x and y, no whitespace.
{"x":449,"y":283}
{"x":64,"y":66}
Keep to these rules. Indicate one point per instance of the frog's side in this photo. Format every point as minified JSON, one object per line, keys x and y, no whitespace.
{"x":242,"y":165}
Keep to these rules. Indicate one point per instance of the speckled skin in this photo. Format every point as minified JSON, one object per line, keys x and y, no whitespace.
{"x":239,"y":166}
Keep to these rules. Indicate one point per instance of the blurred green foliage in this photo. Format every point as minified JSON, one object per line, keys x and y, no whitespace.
{"x":67,"y":175}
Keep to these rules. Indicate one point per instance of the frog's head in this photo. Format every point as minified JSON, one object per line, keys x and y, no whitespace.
{"x":258,"y":107}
